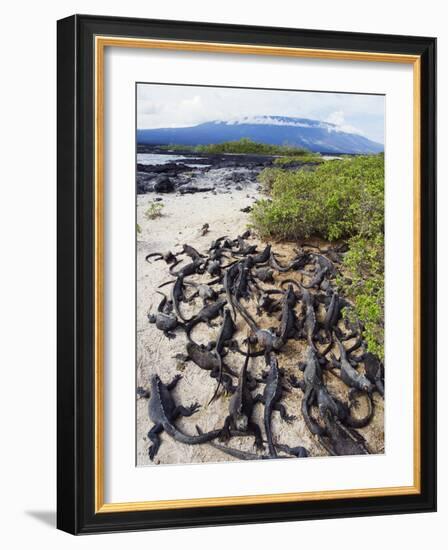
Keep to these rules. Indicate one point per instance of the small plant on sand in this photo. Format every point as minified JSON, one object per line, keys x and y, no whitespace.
{"x":139,"y":229}
{"x":154,"y":211}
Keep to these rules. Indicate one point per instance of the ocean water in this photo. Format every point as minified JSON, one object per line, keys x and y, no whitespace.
{"x":153,"y":159}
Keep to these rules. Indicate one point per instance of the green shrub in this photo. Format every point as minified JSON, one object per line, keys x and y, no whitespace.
{"x":248,"y":146}
{"x":154,"y":211}
{"x":363,"y":283}
{"x":267,"y":178}
{"x":334,"y":201}
{"x":293,"y":159}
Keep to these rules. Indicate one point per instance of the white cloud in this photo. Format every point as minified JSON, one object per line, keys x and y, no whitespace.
{"x":338,"y":119}
{"x":161,"y":106}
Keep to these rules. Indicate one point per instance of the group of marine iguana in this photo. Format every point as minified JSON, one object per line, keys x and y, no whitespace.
{"x":308,"y":308}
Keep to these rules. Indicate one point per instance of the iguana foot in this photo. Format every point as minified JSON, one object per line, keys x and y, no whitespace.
{"x":174,"y":382}
{"x":142,"y":393}
{"x":224,"y":436}
{"x":296,"y":383}
{"x":152,"y":452}
{"x":283,"y":414}
{"x":192,"y":408}
{"x":153,"y":436}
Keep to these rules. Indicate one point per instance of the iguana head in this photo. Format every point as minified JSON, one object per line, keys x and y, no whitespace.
{"x":278,"y":343}
{"x":241,"y":421}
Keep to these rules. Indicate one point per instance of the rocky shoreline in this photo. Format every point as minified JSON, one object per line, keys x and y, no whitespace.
{"x":199,"y":173}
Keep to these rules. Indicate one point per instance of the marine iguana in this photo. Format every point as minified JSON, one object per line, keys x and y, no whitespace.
{"x":189,"y":269}
{"x":168,"y":257}
{"x":265,"y":338}
{"x":217,"y":243}
{"x":163,"y":412}
{"x":244,"y":249}
{"x":203,"y":290}
{"x":317,"y":278}
{"x":328,"y":404}
{"x":213,"y":268}
{"x":309,"y":325}
{"x":228,"y":283}
{"x":241,"y":408}
{"x":191,"y":252}
{"x":224,"y":336}
{"x":324,"y":262}
{"x":296,"y":264}
{"x":242,"y":279}
{"x":165,"y":322}
{"x":262,"y":257}
{"x":271,"y":396}
{"x":264,"y":274}
{"x":218,"y":254}
{"x":349,"y":375}
{"x":205,"y":315}
{"x":331,"y":319}
{"x":266,"y":303}
{"x":288,"y":322}
{"x":204,"y":358}
{"x":310,"y":385}
{"x":177,"y":296}
{"x":207,"y":360}
{"x":204,"y":229}
{"x":374,"y":371}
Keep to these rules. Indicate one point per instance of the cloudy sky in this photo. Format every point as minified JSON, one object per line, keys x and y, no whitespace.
{"x":168,"y":106}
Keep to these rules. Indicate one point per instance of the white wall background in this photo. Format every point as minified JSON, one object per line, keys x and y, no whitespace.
{"x":27,"y":274}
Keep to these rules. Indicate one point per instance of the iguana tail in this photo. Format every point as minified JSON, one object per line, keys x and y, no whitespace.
{"x":267,"y":427}
{"x":330,"y":343}
{"x":312,"y":425}
{"x":159,"y":254}
{"x":361,"y":422}
{"x":247,"y":317}
{"x":218,"y":355}
{"x":236,"y":453}
{"x":182,"y":437}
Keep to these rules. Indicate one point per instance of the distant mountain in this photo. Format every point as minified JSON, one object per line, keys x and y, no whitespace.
{"x":315,"y":135}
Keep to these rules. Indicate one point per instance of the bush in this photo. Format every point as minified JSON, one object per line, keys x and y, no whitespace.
{"x":363,"y":283}
{"x":248,"y":146}
{"x":154,"y":211}
{"x":337,"y":200}
{"x":296,"y":159}
{"x":267,"y":178}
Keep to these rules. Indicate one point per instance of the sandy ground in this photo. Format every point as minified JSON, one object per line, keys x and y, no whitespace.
{"x":182,"y":220}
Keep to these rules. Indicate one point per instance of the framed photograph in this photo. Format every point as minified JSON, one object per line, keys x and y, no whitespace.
{"x":246,"y":274}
